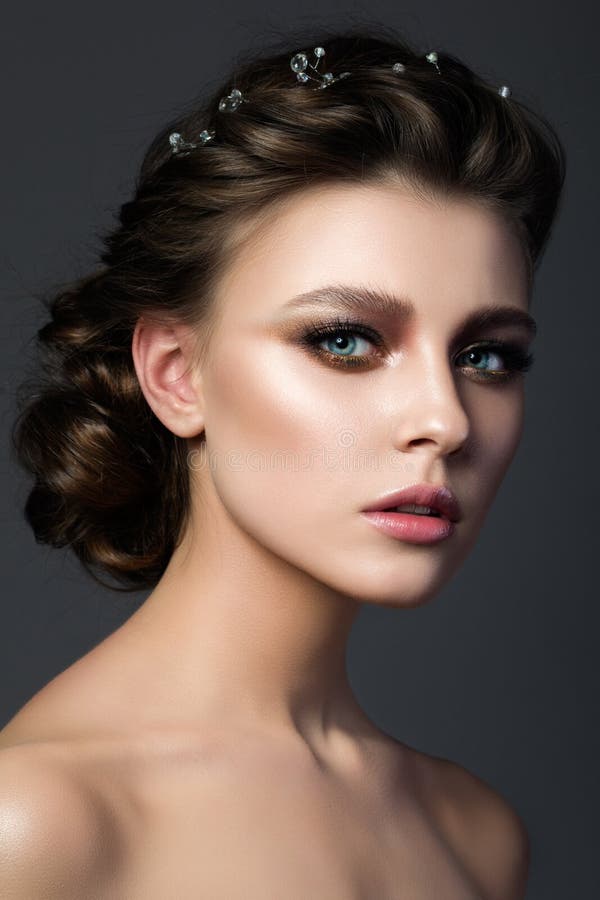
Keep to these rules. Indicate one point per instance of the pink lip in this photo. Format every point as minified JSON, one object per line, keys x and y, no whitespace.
{"x":410,"y":527}
{"x":438,"y":497}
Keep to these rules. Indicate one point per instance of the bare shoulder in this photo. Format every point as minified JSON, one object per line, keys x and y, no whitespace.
{"x":489,"y":834}
{"x":51,"y":841}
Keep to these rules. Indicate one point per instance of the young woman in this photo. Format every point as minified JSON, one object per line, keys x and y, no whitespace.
{"x":292,"y":387}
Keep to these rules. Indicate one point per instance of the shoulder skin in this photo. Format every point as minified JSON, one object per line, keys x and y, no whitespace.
{"x":52,"y":843}
{"x":490,"y":836}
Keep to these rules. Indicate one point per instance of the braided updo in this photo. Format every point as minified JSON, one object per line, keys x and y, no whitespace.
{"x":111,"y":481}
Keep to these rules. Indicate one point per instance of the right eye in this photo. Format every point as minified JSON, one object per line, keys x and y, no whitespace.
{"x":345,"y":337}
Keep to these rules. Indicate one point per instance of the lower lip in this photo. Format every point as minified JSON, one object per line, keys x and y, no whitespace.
{"x":411,"y":527}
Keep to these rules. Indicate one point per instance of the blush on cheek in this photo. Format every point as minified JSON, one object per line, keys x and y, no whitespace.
{"x":510,"y":416}
{"x":270,"y":427}
{"x":261,"y":398}
{"x":499,"y":438}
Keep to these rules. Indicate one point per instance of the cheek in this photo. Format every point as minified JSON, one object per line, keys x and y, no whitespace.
{"x":498,"y":434}
{"x":503,"y":426}
{"x":275,"y":424}
{"x":258,"y":399}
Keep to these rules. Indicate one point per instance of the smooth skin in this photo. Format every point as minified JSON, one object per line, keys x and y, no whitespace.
{"x":212,"y":746}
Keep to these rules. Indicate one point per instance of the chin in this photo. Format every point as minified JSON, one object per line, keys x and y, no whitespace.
{"x":403,"y":597}
{"x":402,"y":586}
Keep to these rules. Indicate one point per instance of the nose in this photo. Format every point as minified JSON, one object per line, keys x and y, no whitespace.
{"x":429,"y":412}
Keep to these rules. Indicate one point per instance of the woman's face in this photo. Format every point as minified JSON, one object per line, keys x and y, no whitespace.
{"x":303,"y":432}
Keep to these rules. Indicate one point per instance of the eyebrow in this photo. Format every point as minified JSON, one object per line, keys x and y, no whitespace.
{"x":377,"y":300}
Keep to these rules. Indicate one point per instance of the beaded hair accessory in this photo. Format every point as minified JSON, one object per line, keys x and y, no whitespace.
{"x":300,"y":65}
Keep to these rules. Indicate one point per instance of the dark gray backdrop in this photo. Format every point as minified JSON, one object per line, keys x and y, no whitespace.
{"x":499,"y":671}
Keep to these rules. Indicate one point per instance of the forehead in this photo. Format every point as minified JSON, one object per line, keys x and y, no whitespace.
{"x":442,"y":252}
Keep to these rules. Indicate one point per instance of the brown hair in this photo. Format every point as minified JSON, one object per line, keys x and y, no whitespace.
{"x":111,"y":480}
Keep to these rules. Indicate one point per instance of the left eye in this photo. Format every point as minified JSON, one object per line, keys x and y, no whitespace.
{"x":479,"y":354}
{"x":511,"y":359}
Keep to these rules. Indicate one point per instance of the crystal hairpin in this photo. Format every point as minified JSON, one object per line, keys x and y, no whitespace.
{"x":232,"y":101}
{"x":229,"y":103}
{"x":180,"y":147}
{"x":299,"y":64}
{"x":433,"y":59}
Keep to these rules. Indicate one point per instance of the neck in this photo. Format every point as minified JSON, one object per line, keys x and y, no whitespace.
{"x":238,"y":634}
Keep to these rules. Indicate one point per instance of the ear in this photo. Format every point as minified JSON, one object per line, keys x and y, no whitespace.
{"x":162,"y":355}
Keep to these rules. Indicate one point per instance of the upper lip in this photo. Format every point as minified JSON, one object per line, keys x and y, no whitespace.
{"x":438,"y":497}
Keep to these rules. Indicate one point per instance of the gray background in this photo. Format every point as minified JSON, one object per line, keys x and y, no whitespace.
{"x":499,"y":671}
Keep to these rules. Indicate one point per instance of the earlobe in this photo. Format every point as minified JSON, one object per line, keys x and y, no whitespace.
{"x":164,"y":364}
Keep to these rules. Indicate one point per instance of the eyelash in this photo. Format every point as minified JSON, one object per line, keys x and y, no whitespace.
{"x":516,"y":359}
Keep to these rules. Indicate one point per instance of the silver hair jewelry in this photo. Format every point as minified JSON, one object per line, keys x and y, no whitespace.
{"x":229,"y":103}
{"x":180,"y":147}
{"x":433,"y":59}
{"x":299,"y":64}
{"x":232,"y":101}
